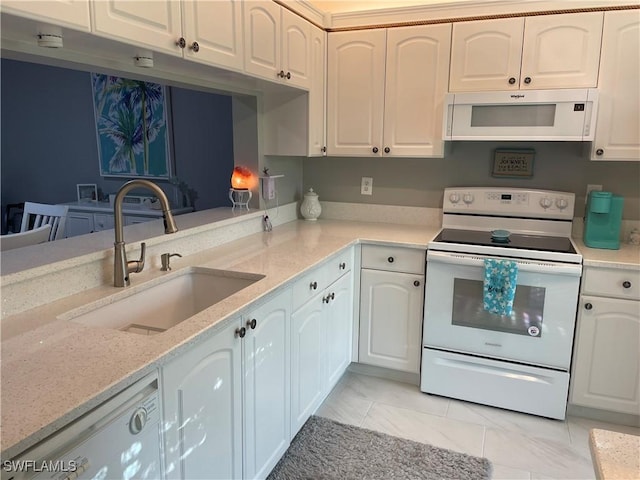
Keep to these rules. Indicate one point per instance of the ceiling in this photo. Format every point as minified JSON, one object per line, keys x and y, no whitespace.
{"x":341,"y":6}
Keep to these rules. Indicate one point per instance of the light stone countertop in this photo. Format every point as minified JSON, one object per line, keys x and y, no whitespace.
{"x":53,"y":371}
{"x":627,"y":257}
{"x":616,"y":456}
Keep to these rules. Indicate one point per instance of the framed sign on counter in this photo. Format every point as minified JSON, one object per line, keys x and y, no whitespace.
{"x":513,"y":162}
{"x":87,"y":192}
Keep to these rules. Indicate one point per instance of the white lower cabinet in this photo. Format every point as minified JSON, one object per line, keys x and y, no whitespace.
{"x":226,"y":400}
{"x":202,"y":396}
{"x":321,"y":333}
{"x":391,"y":306}
{"x":267,"y":384}
{"x":606,"y":360}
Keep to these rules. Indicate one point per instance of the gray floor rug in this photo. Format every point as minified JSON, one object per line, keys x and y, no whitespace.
{"x":324,"y":449}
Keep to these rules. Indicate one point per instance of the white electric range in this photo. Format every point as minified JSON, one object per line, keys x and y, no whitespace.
{"x":518,"y":361}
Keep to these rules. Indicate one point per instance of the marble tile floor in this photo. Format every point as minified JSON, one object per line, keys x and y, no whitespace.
{"x":520,"y":446}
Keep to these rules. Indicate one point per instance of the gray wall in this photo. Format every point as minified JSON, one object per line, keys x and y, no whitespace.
{"x":563,"y":166}
{"x":48,"y":142}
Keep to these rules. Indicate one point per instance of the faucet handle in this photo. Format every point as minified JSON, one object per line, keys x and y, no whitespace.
{"x":164,"y":258}
{"x":136,"y":266}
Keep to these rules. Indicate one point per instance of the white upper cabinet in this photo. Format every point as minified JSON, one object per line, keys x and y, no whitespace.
{"x":296,"y":49}
{"x":277,"y":44}
{"x":317,"y":97}
{"x":152,"y":24}
{"x":216,"y":29}
{"x":416,"y":82}
{"x":203,"y":31}
{"x":486,"y":55}
{"x":66,"y":13}
{"x":539,"y":52}
{"x":262,"y":38}
{"x":385,"y":91}
{"x":355,"y":92}
{"x":617,"y":134}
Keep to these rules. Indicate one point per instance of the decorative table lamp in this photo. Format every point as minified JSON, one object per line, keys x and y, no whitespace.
{"x":242,"y":180}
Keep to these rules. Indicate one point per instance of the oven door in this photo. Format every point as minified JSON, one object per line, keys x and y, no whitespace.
{"x":539,"y":330}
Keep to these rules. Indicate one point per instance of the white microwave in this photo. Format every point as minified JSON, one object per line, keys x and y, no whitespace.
{"x":534,"y":115}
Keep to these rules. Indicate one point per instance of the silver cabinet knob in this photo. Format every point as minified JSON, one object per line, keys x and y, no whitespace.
{"x":588,"y":306}
{"x":527,"y":80}
{"x":181,"y":42}
{"x":387,"y":149}
{"x":626,"y":284}
{"x":375,"y":149}
{"x":252,"y":323}
{"x":240,"y":332}
{"x":195,"y":47}
{"x":512,"y":80}
{"x":600,"y":152}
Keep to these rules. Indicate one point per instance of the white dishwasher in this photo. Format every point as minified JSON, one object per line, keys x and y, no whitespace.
{"x":120,"y":439}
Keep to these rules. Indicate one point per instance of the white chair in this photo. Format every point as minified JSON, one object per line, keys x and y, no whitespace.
{"x":55,"y":215}
{"x":23,"y":239}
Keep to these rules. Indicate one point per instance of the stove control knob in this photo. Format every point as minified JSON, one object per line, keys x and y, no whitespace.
{"x":467,"y":198}
{"x":562,"y":203}
{"x":545,"y":202}
{"x":454,"y":198}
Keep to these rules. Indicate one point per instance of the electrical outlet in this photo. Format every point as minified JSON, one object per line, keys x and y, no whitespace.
{"x":590,"y":188}
{"x":366,"y":187}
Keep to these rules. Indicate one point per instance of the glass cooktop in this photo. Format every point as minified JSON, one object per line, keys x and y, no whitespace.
{"x":506,"y":240}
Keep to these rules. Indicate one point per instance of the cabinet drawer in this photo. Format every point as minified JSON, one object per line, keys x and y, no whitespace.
{"x":339,"y":265}
{"x":393,"y":259}
{"x":309,"y":285}
{"x":612,"y":282}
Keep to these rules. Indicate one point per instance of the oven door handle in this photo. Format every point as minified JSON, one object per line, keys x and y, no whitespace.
{"x":523,"y":265}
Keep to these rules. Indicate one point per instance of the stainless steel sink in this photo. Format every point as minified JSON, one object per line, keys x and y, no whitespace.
{"x":164,"y":302}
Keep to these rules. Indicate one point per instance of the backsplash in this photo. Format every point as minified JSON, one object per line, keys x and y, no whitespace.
{"x":419,"y":182}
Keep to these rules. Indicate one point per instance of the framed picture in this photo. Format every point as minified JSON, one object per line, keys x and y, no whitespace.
{"x":513,"y":162}
{"x":87,"y":192}
{"x":132,"y":127}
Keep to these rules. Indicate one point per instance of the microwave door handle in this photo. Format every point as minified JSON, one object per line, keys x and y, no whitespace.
{"x":523,"y":265}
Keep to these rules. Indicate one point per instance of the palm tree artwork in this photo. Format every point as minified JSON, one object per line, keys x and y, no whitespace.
{"x":132,"y":127}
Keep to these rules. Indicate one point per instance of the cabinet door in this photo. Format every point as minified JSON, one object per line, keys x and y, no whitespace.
{"x":317,"y":123}
{"x":338,"y":321}
{"x":617,"y":134}
{"x":607,"y":357}
{"x":262,"y":39}
{"x":355,"y":92}
{"x":267,"y":386}
{"x":391,"y":319}
{"x":296,"y":50}
{"x":66,"y":13}
{"x":307,"y":361}
{"x":202,"y":397}
{"x":217,"y":29}
{"x":153,"y":24}
{"x":575,"y":65}
{"x":78,"y":223}
{"x":486,"y":55}
{"x":102,"y":221}
{"x":417,"y":69}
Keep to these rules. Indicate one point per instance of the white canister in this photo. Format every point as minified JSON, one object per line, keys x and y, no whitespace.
{"x":310,"y":208}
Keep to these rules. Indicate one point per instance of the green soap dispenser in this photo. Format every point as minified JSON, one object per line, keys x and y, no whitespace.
{"x":602,"y":220}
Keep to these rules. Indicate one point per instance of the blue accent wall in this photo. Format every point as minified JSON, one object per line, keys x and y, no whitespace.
{"x":48,"y":139}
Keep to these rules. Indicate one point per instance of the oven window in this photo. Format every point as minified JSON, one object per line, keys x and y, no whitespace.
{"x":513,"y":115}
{"x":525,"y":318}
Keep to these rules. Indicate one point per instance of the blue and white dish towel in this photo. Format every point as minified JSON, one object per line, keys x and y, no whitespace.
{"x":500,"y":278}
